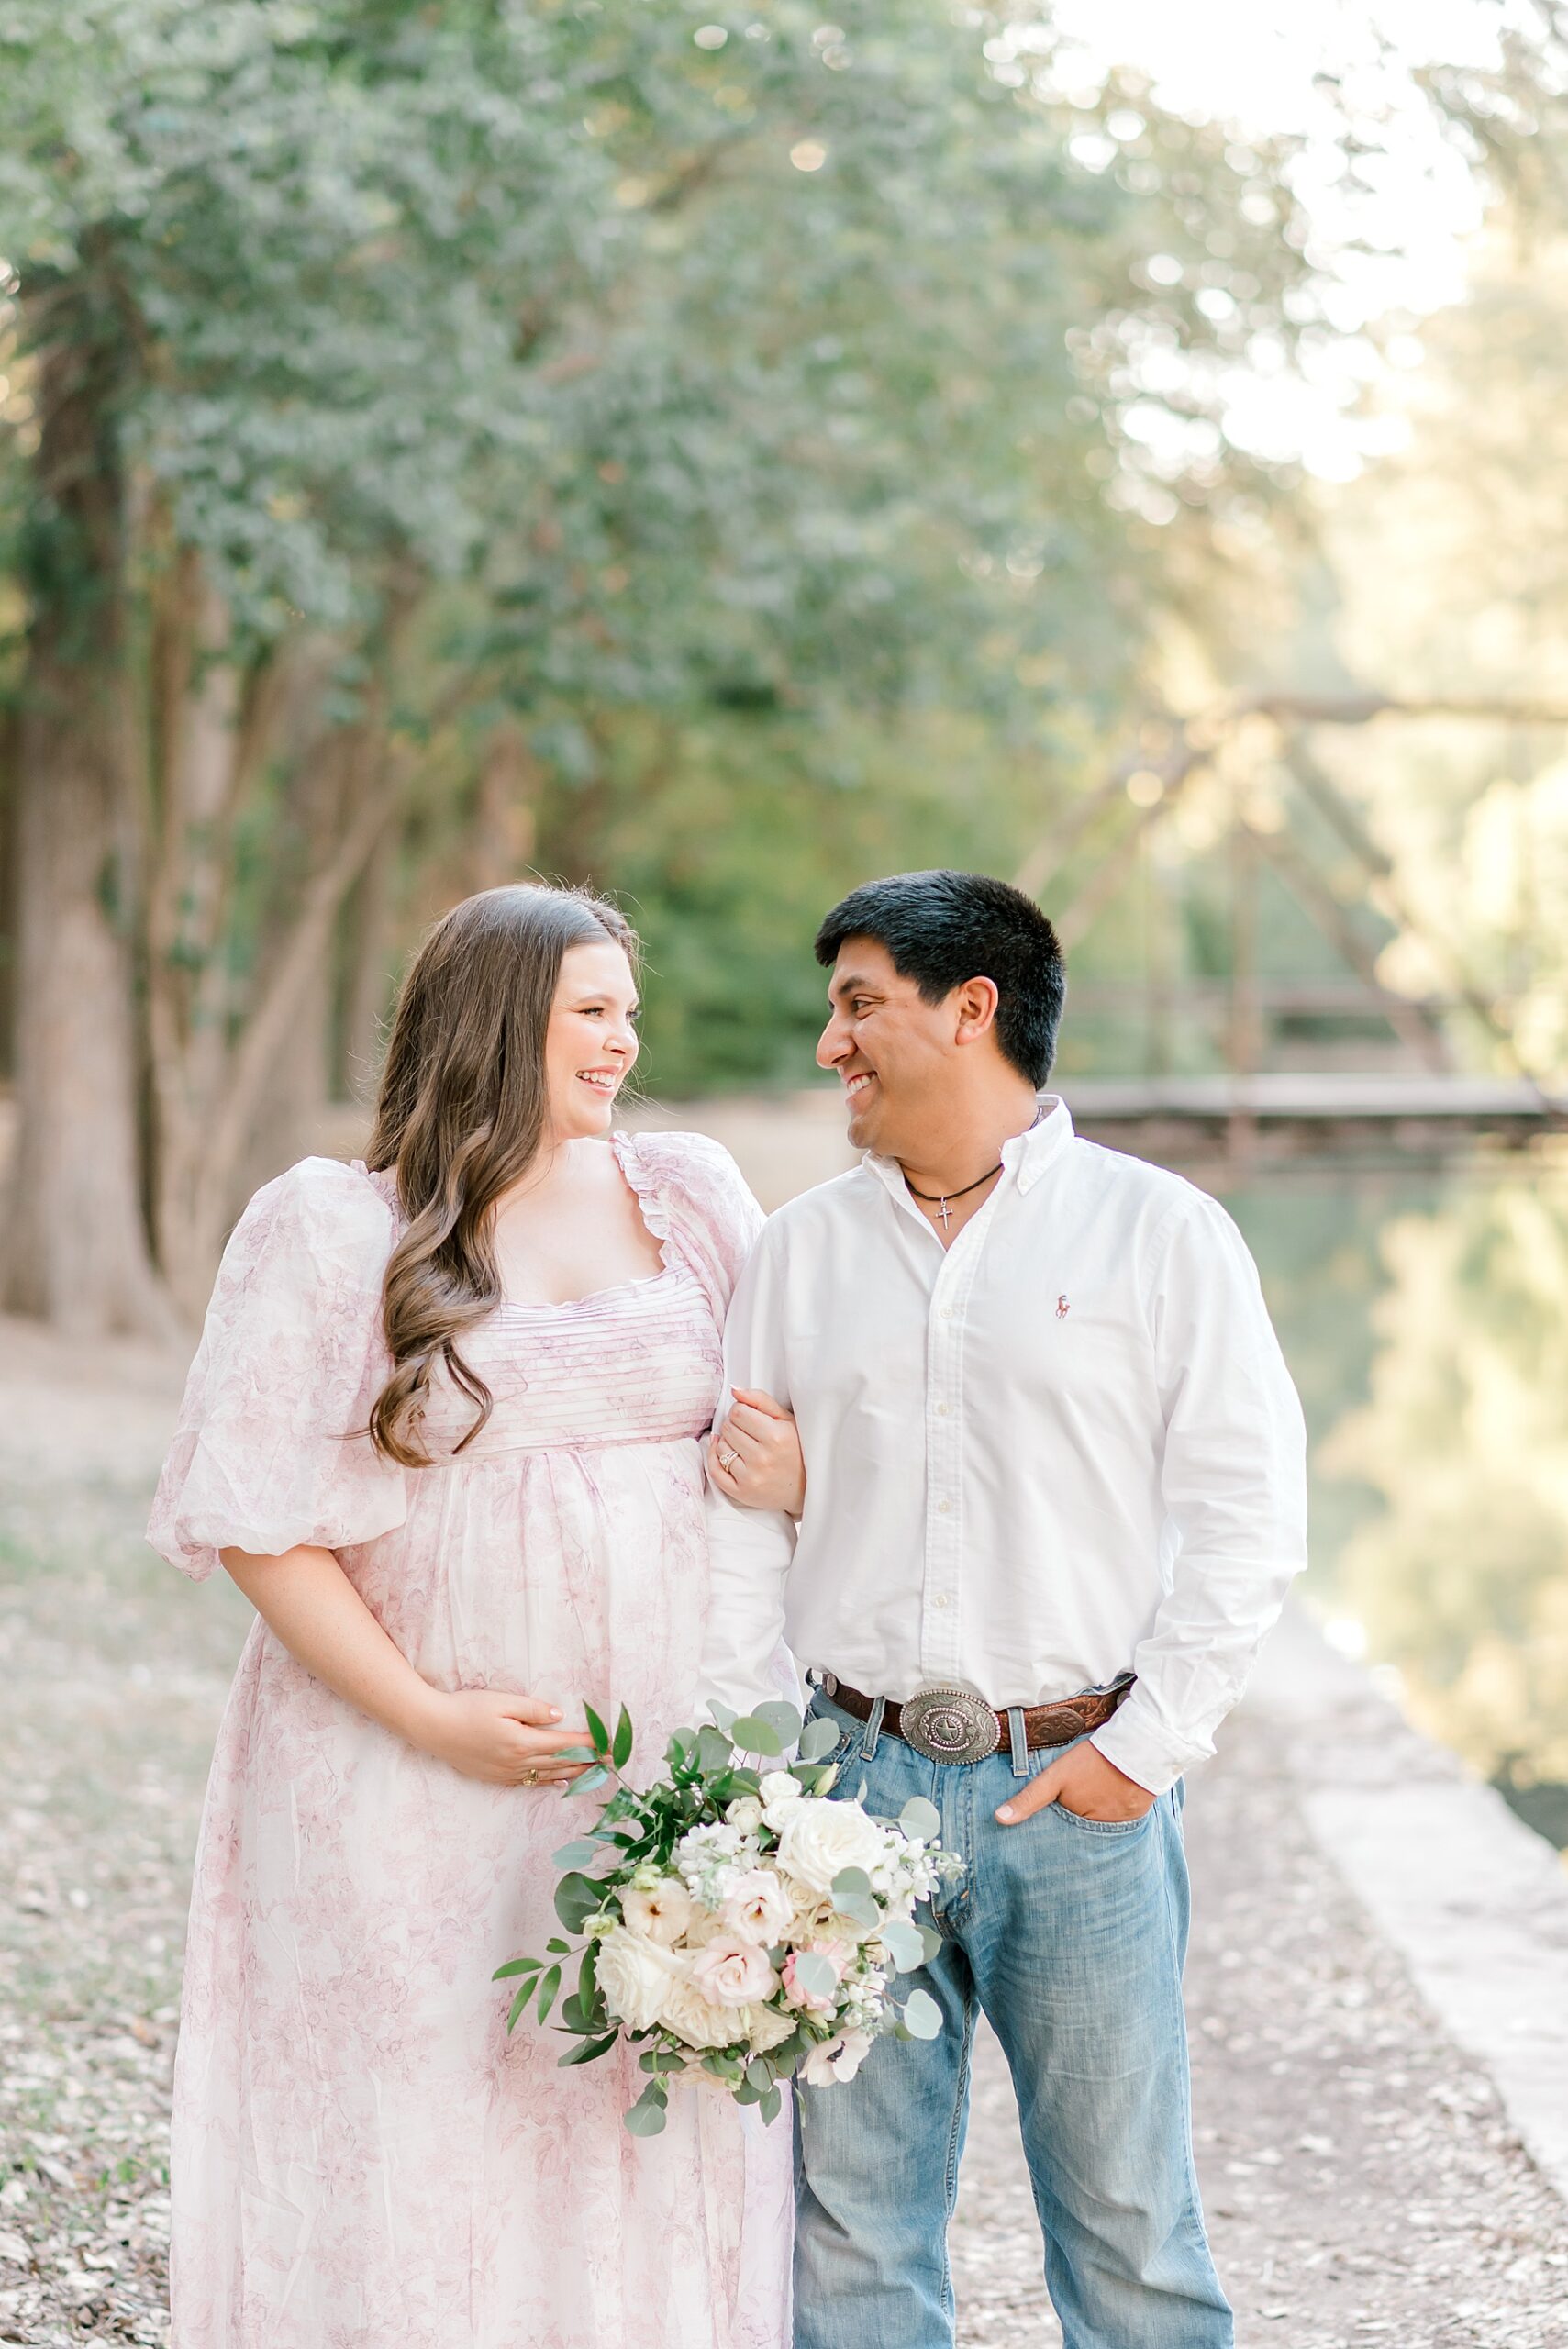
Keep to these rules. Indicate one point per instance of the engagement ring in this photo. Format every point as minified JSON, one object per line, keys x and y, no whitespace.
{"x":728,"y":1460}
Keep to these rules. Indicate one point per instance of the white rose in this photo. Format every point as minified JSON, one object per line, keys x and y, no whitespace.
{"x":746,"y":1813}
{"x":758,"y":1907}
{"x":836,"y":2059}
{"x":660,"y":1912}
{"x":696,"y":2021}
{"x":819,"y":1839}
{"x":635,"y":1975}
{"x":733,"y":1972}
{"x":765,"y":2028}
{"x":779,"y":1795}
{"x":705,"y":1923}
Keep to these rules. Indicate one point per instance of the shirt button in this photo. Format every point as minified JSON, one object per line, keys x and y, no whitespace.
{"x":940,"y":1599}
{"x":947,"y":1312}
{"x":943,"y":1409}
{"x":943,"y":1507}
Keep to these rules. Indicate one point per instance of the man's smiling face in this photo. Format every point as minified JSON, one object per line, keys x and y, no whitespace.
{"x":890,"y":1048}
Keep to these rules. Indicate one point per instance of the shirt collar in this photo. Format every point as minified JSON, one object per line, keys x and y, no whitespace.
{"x":1029,"y":1153}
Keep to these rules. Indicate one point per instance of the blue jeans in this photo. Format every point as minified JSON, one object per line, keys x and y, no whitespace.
{"x":1069,"y":1936}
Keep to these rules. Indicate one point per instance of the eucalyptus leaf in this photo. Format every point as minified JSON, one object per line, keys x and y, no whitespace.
{"x":921,"y":1818}
{"x":578,"y":1898}
{"x":752,"y":1734}
{"x":931,"y":1940}
{"x":645,"y":2120}
{"x":922,"y":2016}
{"x":714,"y":1749}
{"x":850,"y":1884}
{"x":782,"y":1717}
{"x":759,"y":2072}
{"x":814,"y":1973}
{"x":724,"y":1716}
{"x":905,"y":1946}
{"x":581,"y":1853}
{"x":818,"y":1738}
{"x":772,"y":2105}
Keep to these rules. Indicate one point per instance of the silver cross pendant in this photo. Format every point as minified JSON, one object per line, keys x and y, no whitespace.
{"x":944,"y":1214}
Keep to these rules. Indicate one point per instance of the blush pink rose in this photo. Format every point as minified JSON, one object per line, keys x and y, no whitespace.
{"x":733,"y":1972}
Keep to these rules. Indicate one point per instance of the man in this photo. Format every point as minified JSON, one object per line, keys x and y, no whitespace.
{"x":1054,"y":1487}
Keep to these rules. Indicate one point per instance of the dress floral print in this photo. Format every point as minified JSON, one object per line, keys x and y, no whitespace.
{"x":361,"y":2158}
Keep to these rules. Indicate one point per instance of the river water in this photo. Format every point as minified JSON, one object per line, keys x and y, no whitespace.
{"x":1426,"y":1319}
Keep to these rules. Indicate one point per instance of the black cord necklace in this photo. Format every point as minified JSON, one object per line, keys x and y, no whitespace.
{"x":938,"y":1200}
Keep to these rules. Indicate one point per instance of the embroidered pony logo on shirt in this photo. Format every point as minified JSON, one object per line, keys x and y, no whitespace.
{"x":1063,"y":1309}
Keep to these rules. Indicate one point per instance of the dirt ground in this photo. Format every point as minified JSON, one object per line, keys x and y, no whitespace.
{"x":1361,"y":2182}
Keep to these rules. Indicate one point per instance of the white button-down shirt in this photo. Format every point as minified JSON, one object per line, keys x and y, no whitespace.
{"x":1066,"y":1447}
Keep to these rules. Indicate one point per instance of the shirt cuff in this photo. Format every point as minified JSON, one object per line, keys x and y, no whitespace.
{"x":1143,"y":1751}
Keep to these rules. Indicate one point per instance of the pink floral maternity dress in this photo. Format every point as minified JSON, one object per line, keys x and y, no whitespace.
{"x":362,"y":2159}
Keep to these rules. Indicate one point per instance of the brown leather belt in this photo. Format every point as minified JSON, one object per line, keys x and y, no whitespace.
{"x":954,"y":1725}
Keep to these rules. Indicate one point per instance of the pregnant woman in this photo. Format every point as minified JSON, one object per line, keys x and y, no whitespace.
{"x":445,"y":1431}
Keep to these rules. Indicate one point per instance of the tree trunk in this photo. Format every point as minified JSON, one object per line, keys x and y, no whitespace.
{"x":76,"y":1246}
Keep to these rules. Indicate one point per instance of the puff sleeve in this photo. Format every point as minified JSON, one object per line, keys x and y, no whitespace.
{"x":270,"y":1449}
{"x":695,"y":1197}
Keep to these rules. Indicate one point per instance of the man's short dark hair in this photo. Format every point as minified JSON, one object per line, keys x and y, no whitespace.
{"x":940,"y":929}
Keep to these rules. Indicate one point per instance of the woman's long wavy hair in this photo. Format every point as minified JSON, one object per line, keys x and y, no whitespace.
{"x":464,"y":1107}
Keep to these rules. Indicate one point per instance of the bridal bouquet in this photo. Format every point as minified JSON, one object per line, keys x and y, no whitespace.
{"x":745,"y":1928}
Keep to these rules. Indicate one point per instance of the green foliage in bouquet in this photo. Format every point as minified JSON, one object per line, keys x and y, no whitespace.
{"x":715,"y":1783}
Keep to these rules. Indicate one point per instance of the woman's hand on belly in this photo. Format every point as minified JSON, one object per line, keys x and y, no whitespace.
{"x":507,"y":1740}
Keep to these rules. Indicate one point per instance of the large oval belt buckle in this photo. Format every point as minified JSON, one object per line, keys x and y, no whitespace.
{"x":950,"y":1725}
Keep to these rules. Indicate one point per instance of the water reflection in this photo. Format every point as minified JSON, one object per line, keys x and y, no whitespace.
{"x":1427,"y":1322}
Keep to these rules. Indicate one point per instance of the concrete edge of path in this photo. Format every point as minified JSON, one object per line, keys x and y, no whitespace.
{"x":1473,"y":1900}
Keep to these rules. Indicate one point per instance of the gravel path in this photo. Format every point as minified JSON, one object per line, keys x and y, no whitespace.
{"x":1361,"y":2182}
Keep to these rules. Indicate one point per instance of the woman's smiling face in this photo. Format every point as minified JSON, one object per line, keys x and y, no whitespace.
{"x":590,"y":1044}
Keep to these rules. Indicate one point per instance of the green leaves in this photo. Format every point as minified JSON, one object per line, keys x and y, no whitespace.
{"x":905,"y":1946}
{"x":922,"y":2018}
{"x":621,"y":1749}
{"x":578,"y":1898}
{"x":581,"y":1853}
{"x":646,"y":2117}
{"x":815,"y":1973}
{"x":921,"y":1818}
{"x":589,"y":2050}
{"x":714,"y":1749}
{"x":818,"y":1738}
{"x":752,"y":1734}
{"x":531,"y":1970}
{"x":783,"y":1719}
